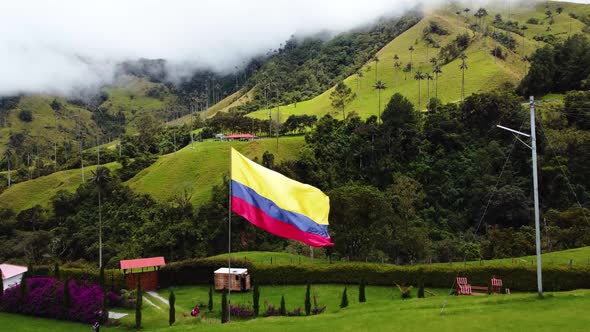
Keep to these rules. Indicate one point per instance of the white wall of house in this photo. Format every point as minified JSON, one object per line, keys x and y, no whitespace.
{"x":12,"y":281}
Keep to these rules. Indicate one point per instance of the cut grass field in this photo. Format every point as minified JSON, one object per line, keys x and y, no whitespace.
{"x":384,"y":310}
{"x":27,"y":194}
{"x":201,"y":169}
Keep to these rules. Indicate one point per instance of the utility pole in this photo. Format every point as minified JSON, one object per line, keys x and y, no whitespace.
{"x":533,"y":148}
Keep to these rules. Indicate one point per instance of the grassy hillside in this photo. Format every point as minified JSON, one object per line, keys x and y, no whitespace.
{"x":579,"y":256}
{"x":42,"y":128}
{"x":132,"y":98}
{"x":27,"y":194}
{"x":484,"y":73}
{"x":202,"y":168}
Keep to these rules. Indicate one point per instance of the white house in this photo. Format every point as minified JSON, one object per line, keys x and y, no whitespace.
{"x":11,"y":274}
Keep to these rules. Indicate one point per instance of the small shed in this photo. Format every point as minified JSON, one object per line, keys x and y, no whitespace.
{"x":11,"y":274}
{"x":240,"y":137}
{"x":144,"y":268}
{"x":238,"y":278}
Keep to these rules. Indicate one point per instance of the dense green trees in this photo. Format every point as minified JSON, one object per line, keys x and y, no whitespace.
{"x":562,"y":67}
{"x":305,"y":67}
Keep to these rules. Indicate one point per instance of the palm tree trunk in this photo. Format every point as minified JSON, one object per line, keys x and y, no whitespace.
{"x":418,"y":95}
{"x":436,"y":87}
{"x":463,"y":85}
{"x":99,"y":230}
{"x":379,"y":111}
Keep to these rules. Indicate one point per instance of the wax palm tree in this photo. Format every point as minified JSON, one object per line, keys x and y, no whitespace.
{"x":523,"y":28}
{"x":8,"y":157}
{"x":419,"y":77}
{"x":379,"y":86}
{"x":101,"y":178}
{"x":436,"y":72}
{"x":396,"y":66}
{"x":428,"y":78}
{"x":463,"y":67}
{"x":359,"y":76}
{"x":411,"y":49}
{"x":376,"y":60}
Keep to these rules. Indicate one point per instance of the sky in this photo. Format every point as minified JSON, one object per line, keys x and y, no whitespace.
{"x":61,"y":46}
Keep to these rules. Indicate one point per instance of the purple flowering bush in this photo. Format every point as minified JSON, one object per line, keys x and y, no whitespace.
{"x":241,"y":311}
{"x":45,"y":298}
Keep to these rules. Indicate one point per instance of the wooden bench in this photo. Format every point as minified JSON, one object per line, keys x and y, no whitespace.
{"x":497,"y":286}
{"x":464,"y":288}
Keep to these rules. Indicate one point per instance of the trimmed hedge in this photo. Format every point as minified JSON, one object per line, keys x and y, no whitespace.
{"x":197,"y":271}
{"x":518,"y":277}
{"x":113,"y":278}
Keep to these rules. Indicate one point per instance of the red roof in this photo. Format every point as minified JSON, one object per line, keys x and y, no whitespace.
{"x":9,"y":271}
{"x":142,"y":262}
{"x":238,"y":136}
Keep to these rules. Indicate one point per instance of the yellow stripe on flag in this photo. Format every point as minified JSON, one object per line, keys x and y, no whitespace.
{"x":286,"y":193}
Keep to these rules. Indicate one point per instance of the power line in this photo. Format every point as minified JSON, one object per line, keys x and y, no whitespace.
{"x":561,"y":167}
{"x":497,"y":182}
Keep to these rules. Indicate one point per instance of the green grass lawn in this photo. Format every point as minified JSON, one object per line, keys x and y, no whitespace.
{"x":204,"y":167}
{"x":27,"y":194}
{"x":384,"y":310}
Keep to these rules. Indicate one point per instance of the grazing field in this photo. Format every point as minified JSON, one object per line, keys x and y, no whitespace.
{"x":25,"y":195}
{"x":384,"y":310}
{"x":483,"y":74}
{"x":204,"y":167}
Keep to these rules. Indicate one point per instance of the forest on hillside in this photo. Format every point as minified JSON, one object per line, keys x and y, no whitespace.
{"x":406,"y":185}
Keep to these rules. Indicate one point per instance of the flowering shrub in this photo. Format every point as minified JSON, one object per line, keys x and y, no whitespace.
{"x":45,"y":298}
{"x":296,"y":312}
{"x":115,"y":300}
{"x":241,"y":311}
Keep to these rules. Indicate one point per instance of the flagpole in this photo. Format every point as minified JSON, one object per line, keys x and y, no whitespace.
{"x":229,"y":242}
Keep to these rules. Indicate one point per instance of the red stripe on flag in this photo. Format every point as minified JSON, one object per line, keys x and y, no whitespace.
{"x":261,"y":219}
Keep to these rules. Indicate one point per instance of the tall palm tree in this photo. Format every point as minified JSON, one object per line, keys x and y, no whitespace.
{"x":376,"y":59}
{"x":359,"y":76}
{"x":101,"y":178}
{"x":523,"y":28}
{"x":411,"y":49}
{"x":419,"y":77}
{"x":8,"y":158}
{"x":428,"y":78}
{"x":379,"y":86}
{"x":463,"y":67}
{"x":436,"y":72}
{"x":396,"y":65}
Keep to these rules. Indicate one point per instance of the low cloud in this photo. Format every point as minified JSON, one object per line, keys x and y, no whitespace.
{"x":58,"y":47}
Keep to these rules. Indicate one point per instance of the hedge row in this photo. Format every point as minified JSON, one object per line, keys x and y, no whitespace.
{"x":195,"y":271}
{"x":114,"y":279}
{"x":521,"y":278}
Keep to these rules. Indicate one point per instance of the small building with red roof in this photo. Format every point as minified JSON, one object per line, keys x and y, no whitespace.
{"x":144,"y":268}
{"x":239,"y":137}
{"x":12,"y":274}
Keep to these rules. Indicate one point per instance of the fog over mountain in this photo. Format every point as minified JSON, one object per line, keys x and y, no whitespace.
{"x":59,"y":47}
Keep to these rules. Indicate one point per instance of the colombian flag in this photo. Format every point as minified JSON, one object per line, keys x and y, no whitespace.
{"x":277,"y":204}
